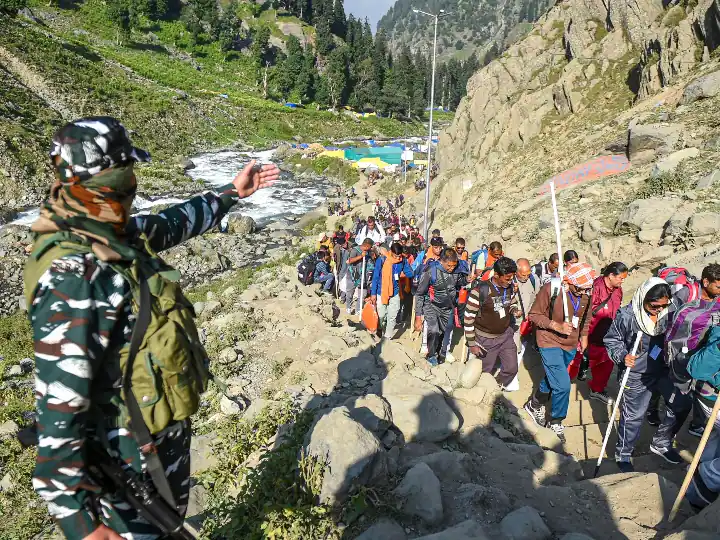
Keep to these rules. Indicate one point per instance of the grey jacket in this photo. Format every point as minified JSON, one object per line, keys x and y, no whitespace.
{"x":445,"y":290}
{"x":620,"y":339}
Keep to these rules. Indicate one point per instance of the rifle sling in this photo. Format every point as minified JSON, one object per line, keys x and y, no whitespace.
{"x":140,"y":431}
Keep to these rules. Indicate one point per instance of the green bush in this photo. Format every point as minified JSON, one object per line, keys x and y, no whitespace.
{"x":658,"y":186}
{"x":11,"y":7}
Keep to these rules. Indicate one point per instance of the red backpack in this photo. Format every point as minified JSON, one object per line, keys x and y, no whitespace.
{"x":678,"y":278}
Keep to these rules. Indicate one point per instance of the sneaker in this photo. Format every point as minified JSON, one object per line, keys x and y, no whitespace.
{"x":558,"y":429}
{"x":423,"y":349}
{"x":433,"y":361}
{"x":350,"y":311}
{"x":449,"y":358}
{"x":602,"y":396}
{"x":668,"y":454}
{"x":625,"y":466}
{"x":538,"y":415}
{"x":696,"y":431}
{"x":653,"y":417}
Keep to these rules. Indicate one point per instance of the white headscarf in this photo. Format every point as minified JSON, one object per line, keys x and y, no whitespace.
{"x":638,"y":302}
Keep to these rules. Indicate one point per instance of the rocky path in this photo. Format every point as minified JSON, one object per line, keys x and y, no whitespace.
{"x":449,"y":462}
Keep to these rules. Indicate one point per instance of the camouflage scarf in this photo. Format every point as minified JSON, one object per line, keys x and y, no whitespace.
{"x":94,"y":183}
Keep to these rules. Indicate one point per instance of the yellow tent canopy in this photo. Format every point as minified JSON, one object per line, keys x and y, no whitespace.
{"x":339,"y":154}
{"x":422,"y":162}
{"x":364,"y":163}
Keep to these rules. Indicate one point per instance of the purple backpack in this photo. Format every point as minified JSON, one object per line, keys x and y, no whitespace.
{"x":687,"y":333}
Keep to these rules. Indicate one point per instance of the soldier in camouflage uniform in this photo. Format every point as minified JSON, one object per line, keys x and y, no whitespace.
{"x":81,"y":311}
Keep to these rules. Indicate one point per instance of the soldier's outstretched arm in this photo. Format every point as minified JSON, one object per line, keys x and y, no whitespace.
{"x":204,"y":212}
{"x":73,"y":316}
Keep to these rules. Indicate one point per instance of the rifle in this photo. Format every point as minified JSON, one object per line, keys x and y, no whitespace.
{"x":128,"y":486}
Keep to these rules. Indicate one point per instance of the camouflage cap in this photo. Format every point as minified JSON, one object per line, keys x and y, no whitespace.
{"x":85,"y":147}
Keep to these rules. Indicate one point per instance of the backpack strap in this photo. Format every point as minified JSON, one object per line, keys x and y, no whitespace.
{"x":555,"y":287}
{"x":140,"y":431}
{"x":602,"y":305}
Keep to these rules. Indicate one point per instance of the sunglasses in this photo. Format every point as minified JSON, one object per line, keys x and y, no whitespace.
{"x":658,"y":307}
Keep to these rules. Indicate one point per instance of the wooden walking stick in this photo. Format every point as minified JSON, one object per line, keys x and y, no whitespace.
{"x":696,"y":459}
{"x":616,"y":406}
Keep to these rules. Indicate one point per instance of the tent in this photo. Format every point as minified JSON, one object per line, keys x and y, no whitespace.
{"x":339,"y":154}
{"x":388,"y":154}
{"x":365,"y":163}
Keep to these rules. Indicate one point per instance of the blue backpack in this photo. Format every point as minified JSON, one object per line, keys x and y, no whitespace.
{"x":475,"y":256}
{"x":704,"y":364}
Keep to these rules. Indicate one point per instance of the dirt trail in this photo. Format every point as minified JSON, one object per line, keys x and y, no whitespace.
{"x":36,"y":83}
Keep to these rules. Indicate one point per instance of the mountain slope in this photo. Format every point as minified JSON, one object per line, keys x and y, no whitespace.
{"x":585,"y":84}
{"x":472,"y":26}
{"x":57,"y":64}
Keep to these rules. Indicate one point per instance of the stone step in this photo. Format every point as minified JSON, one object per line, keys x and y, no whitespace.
{"x":583,"y":412}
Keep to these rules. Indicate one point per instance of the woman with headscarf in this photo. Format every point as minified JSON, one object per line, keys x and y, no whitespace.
{"x":89,"y":259}
{"x":559,"y":341}
{"x":646,"y":313}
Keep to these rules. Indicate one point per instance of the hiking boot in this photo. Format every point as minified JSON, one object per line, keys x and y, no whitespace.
{"x":558,"y":429}
{"x":449,"y":358}
{"x":601,"y":396}
{"x":668,"y":454}
{"x":696,"y":431}
{"x":537,"y":414}
{"x":653,"y":417}
{"x":432,"y":360}
{"x":625,"y":466}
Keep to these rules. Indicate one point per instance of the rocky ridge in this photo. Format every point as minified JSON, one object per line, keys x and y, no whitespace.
{"x":636,"y":82}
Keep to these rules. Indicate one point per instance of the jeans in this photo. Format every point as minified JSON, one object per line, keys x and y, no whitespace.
{"x":388,"y":315}
{"x":633,"y":406}
{"x":501,"y":348}
{"x":705,"y":484}
{"x":557,"y":380}
{"x":328,"y":280}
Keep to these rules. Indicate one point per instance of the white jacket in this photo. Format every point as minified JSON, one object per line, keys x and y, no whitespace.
{"x":377,"y":235}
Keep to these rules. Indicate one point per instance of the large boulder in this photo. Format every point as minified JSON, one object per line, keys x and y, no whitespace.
{"x":419,"y":409}
{"x":701,"y":88}
{"x":201,"y":453}
{"x":372,"y":411}
{"x":420,"y":494}
{"x":467,"y":530}
{"x":670,"y":163}
{"x":240,"y":225}
{"x":704,"y":223}
{"x":385,"y":529}
{"x":642,"y":214}
{"x":346,"y":447}
{"x":525,"y":524}
{"x":656,"y":138}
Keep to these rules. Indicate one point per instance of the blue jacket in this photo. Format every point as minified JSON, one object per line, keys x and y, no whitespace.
{"x":620,"y":339}
{"x":321,"y":269}
{"x":398,"y":268}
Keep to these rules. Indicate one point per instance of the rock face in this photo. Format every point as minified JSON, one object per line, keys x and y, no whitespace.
{"x":419,"y":492}
{"x":419,"y":409}
{"x":467,"y":530}
{"x":701,"y":88}
{"x":348,"y":449}
{"x":386,"y":529}
{"x":647,"y":214}
{"x":658,"y":138}
{"x":525,"y":524}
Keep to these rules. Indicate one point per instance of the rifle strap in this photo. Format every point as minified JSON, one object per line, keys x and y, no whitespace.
{"x":139,"y":429}
{"x":602,"y":305}
{"x":584,"y":317}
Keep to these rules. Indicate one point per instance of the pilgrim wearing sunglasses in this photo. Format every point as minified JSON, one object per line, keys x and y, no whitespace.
{"x":646,"y":313}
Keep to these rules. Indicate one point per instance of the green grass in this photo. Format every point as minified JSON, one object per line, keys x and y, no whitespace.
{"x":660,"y":185}
{"x":22,"y":513}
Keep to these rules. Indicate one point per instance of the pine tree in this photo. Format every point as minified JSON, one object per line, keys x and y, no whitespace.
{"x":306,"y":79}
{"x":11,"y":7}
{"x":335,"y":78}
{"x":290,"y":68}
{"x":394,"y":98}
{"x":259,"y":49}
{"x":119,"y":14}
{"x":228,"y":28}
{"x":339,"y":22}
{"x":323,"y":38}
{"x":367,"y":42}
{"x":380,"y":59}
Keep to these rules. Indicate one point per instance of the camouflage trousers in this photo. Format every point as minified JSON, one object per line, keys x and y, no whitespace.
{"x":173,"y":445}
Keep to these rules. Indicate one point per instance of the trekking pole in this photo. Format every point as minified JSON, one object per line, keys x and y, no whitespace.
{"x":559,"y":250}
{"x":623,"y":384}
{"x":696,"y":459}
{"x":361,"y":304}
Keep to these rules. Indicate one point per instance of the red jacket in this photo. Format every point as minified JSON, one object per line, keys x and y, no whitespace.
{"x":600,"y":323}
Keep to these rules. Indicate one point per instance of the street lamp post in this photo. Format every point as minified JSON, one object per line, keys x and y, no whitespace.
{"x":438,"y":16}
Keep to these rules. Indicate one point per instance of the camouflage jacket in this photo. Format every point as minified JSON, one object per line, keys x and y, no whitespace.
{"x":78,"y":313}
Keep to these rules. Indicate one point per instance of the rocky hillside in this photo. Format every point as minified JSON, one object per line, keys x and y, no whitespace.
{"x":472,"y":27}
{"x":637,"y":84}
{"x":176,"y":98}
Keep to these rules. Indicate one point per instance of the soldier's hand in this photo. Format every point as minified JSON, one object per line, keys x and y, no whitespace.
{"x":250,"y":179}
{"x":103,"y":533}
